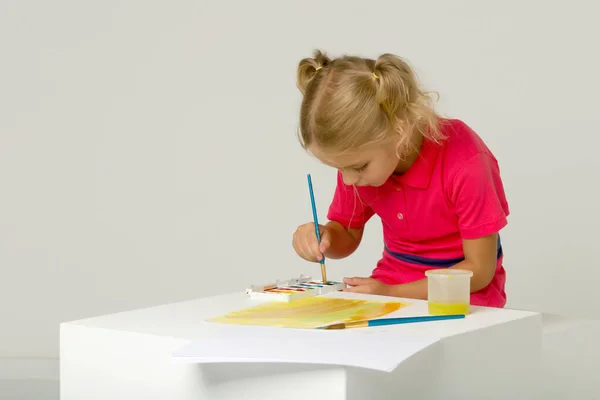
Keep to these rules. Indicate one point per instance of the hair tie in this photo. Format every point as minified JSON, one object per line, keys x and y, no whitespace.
{"x":375,"y":75}
{"x":318,"y":68}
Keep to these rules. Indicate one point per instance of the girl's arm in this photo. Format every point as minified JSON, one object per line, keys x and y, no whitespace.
{"x":480,"y":257}
{"x":343,"y":241}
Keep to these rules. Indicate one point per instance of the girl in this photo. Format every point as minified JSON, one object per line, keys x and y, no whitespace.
{"x":432,"y":181}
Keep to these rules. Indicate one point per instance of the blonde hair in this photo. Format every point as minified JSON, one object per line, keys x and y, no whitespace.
{"x":350,"y":102}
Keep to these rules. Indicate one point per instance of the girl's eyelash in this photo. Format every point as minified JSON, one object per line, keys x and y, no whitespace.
{"x":362,"y":168}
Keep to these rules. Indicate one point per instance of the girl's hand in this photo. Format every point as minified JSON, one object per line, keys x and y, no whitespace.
{"x":306,"y":244}
{"x":368,"y":286}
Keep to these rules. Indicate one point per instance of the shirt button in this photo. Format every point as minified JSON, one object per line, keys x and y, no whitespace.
{"x":398,"y":189}
{"x":400,"y":216}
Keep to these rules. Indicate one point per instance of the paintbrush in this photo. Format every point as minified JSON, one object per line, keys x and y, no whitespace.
{"x":316,"y":223}
{"x":391,"y":321}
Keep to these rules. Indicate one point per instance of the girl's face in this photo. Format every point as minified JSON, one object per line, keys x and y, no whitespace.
{"x":369,"y":166}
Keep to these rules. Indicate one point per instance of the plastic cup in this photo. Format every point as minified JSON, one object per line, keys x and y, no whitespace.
{"x":448,"y":291}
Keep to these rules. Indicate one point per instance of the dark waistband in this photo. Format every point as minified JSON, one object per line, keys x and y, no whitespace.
{"x":434,"y":262}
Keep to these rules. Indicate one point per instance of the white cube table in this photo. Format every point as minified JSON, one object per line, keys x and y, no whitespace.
{"x":169,"y":353}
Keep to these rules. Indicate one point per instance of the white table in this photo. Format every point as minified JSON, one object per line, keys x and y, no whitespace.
{"x":491,"y":354}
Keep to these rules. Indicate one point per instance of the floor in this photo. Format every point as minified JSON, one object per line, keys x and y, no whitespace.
{"x":29,"y":390}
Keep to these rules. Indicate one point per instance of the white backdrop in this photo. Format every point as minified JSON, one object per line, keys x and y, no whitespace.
{"x":148,"y":150}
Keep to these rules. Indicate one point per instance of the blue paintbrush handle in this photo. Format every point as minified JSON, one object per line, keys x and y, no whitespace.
{"x":408,"y":320}
{"x":314,"y":210}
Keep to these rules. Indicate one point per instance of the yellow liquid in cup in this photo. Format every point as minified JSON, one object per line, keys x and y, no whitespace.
{"x":448,"y":308}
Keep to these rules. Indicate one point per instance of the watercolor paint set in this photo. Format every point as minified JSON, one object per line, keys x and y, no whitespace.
{"x":293,"y":289}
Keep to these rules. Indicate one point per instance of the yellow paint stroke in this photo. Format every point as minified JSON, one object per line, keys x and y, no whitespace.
{"x":310,"y":312}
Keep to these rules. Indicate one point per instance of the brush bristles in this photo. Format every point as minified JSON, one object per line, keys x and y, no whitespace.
{"x":323,"y":273}
{"x":336,"y":326}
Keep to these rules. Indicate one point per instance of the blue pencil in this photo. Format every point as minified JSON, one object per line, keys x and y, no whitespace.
{"x":316,"y":222}
{"x":392,"y":321}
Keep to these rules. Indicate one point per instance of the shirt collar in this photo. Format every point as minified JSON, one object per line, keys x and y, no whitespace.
{"x":419,"y":173}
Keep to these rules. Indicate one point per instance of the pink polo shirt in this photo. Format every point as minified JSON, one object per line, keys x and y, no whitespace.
{"x":453,"y":191}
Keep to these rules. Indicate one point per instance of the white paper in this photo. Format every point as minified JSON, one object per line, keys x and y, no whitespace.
{"x":381,"y":351}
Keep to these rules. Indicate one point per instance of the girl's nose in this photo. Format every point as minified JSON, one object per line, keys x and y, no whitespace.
{"x":349,"y":178}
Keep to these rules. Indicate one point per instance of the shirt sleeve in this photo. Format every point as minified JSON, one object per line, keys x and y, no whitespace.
{"x":347,"y":208}
{"x":478,"y":197}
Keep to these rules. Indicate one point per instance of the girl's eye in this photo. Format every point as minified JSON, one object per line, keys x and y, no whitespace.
{"x":360,"y":169}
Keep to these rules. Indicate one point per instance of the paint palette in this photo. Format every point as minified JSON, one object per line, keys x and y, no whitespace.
{"x":293,"y":289}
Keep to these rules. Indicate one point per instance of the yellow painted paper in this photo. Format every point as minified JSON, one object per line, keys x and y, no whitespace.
{"x":310,"y":312}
